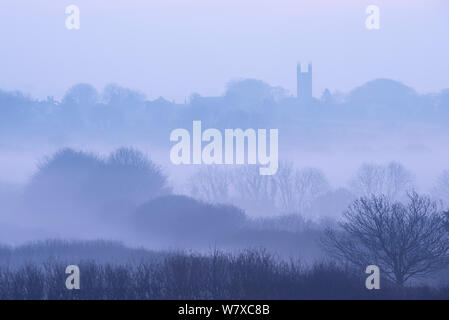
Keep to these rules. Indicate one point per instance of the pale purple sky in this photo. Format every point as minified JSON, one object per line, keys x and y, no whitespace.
{"x":173,"y":48}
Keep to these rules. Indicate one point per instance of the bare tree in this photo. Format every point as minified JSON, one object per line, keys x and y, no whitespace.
{"x":404,"y":240}
{"x":297,"y":189}
{"x":310,"y":183}
{"x":398,"y":180}
{"x":392,"y":180}
{"x":211,"y":184}
{"x":291,"y":190}
{"x":441,"y":189}
{"x":285,"y":185}
{"x":248,"y":183}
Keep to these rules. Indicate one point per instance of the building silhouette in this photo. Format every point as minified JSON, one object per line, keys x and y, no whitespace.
{"x":304,"y":83}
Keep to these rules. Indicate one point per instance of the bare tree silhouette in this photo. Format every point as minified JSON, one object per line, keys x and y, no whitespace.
{"x":298,"y":188}
{"x":248,"y":183}
{"x":285,"y":181}
{"x":310,"y":183}
{"x":404,"y":240}
{"x":210,"y":184}
{"x":392,"y":180}
{"x":441,"y":189}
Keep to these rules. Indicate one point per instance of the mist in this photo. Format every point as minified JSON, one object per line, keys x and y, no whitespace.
{"x":86,"y":118}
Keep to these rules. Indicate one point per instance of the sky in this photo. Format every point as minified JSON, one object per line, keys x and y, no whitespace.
{"x":173,"y":48}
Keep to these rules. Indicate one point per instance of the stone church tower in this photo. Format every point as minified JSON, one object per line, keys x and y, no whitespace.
{"x":304,"y":83}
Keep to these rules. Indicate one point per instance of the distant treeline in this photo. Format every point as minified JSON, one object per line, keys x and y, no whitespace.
{"x":118,"y":111}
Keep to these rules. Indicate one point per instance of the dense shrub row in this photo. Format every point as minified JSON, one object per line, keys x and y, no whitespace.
{"x":247,"y":275}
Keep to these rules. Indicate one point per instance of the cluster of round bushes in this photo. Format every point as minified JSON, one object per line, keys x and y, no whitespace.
{"x":78,"y":186}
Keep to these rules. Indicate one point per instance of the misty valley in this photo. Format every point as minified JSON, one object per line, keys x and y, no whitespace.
{"x":223,"y":159}
{"x":354,"y":181}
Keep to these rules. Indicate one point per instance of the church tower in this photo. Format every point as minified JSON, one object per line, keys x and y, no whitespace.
{"x":304,"y":83}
